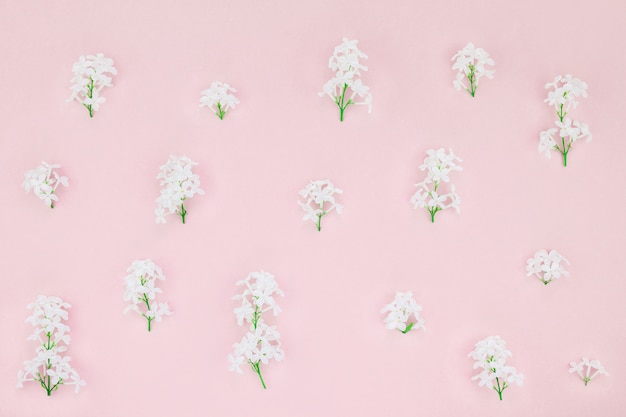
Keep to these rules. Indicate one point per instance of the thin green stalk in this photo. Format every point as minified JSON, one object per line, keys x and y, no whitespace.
{"x":256,"y":367}
{"x":182,"y":212}
{"x":472,"y":79}
{"x":220,"y":112}
{"x":343,"y":105}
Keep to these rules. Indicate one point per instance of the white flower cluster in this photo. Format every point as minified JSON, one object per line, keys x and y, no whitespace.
{"x":345,"y":61}
{"x":583,"y":369}
{"x":546,"y":266}
{"x":44,"y":182}
{"x":439,"y":165}
{"x":180,"y":184}
{"x":470,"y":63}
{"x":50,"y":368}
{"x":490,"y":355}
{"x":90,"y":77}
{"x":400,"y":311}
{"x":262,"y":342}
{"x":218,"y":98}
{"x":141,"y":291}
{"x":563,"y":96}
{"x":320,"y":200}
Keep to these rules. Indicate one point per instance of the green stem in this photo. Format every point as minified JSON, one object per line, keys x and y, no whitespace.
{"x":341,"y":102}
{"x":90,"y":95}
{"x":565,"y":151}
{"x":472,"y":78}
{"x":147,"y":302}
{"x":220,"y":113}
{"x":183,"y":212}
{"x":499,"y":390}
{"x":257,"y":368}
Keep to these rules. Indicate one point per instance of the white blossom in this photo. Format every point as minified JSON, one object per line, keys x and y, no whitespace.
{"x":320,"y":200}
{"x":91,"y":74}
{"x":439,"y":165}
{"x":346,"y":85}
{"x":262,"y":342}
{"x":219,"y":99}
{"x":400,"y":311}
{"x":490,"y":357}
{"x":471,"y":62}
{"x":546,"y":266}
{"x":563,"y":95}
{"x":141,"y":290}
{"x":180,"y":183}
{"x":583,"y":369}
{"x":49,"y":367}
{"x":44,"y":181}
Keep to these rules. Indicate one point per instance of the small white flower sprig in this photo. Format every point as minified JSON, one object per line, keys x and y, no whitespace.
{"x":49,"y":368}
{"x":320,"y":200}
{"x":345,"y":61}
{"x":546,"y":266}
{"x":141,"y":291}
{"x":400,"y":311}
{"x":585,"y":374}
{"x":262,"y":342}
{"x":563,"y":97}
{"x":470,"y":63}
{"x":219,"y":99}
{"x":180,"y":184}
{"x":44,"y":181}
{"x":490,"y":355}
{"x":439,"y":165}
{"x":90,"y":77}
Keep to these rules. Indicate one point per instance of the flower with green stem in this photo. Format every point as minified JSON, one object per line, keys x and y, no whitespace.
{"x":262,"y":342}
{"x":490,"y":356}
{"x":219,"y":99}
{"x":471,"y":62}
{"x":565,"y":90}
{"x":583,"y":369}
{"x":44,"y":181}
{"x":346,"y":85}
{"x":546,"y":266}
{"x":50,"y":368}
{"x":438,"y":164}
{"x":319,"y":198}
{"x":91,"y":74}
{"x":400,"y":311}
{"x":180,"y":184}
{"x":140,"y":291}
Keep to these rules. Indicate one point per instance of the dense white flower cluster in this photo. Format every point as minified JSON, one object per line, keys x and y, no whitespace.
{"x":44,"y":182}
{"x":219,"y":99}
{"x":345,"y":61}
{"x":400,"y":311}
{"x":262,"y":342}
{"x":141,"y":291}
{"x":546,"y":265}
{"x":320,"y":200}
{"x":91,"y":75}
{"x":563,"y":95}
{"x":50,"y":368}
{"x":438,"y":165}
{"x":583,"y":369}
{"x":180,"y":184}
{"x":470,"y":63}
{"x":490,"y":355}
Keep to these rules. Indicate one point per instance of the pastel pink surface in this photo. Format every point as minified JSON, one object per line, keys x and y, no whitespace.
{"x":466,"y":270}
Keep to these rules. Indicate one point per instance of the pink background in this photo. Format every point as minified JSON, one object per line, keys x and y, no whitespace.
{"x":466,"y":270}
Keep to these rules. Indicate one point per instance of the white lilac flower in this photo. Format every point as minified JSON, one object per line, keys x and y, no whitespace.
{"x":346,"y":85}
{"x":91,"y":74}
{"x":583,"y":369}
{"x":400,"y":311}
{"x":44,"y":181}
{"x":439,"y":165}
{"x":49,"y":367}
{"x":546,"y":266}
{"x":319,"y":201}
{"x":180,"y":183}
{"x":141,"y":290}
{"x":471,"y":62}
{"x":563,"y":95}
{"x":490,"y":356}
{"x":262,"y":342}
{"x":219,"y":99}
